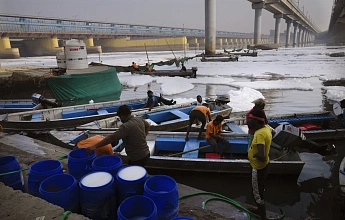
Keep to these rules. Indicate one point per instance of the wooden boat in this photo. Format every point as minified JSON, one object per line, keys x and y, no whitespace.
{"x":11,"y":106}
{"x":190,"y":73}
{"x":315,"y":126}
{"x":243,"y":53}
{"x":195,"y":155}
{"x":219,"y":59}
{"x":167,"y":120}
{"x":72,"y":116}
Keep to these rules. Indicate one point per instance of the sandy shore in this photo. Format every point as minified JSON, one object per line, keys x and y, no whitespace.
{"x":8,"y":70}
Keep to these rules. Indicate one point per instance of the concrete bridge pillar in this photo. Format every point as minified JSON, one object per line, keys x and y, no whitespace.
{"x":257,"y":21}
{"x":43,"y":46}
{"x":299,"y":35}
{"x":231,"y":43}
{"x":6,"y":52}
{"x":295,"y":30}
{"x":278,"y":17}
{"x":225,"y":43}
{"x":305,"y":37}
{"x":302,"y":37}
{"x":288,"y":30}
{"x":210,"y":27}
{"x":90,"y":47}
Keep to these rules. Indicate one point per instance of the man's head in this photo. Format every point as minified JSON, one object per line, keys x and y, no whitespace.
{"x":257,"y":119}
{"x":149,"y":93}
{"x":218,"y":120}
{"x":260,"y":103}
{"x":182,"y":64}
{"x":124,"y":112}
{"x":199,"y":98}
{"x":132,"y":62}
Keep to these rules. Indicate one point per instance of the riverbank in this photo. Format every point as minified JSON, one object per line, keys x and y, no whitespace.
{"x":18,"y":205}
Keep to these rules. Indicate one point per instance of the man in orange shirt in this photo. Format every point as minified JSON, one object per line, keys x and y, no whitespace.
{"x":135,"y":66}
{"x":199,"y":113}
{"x":213,"y":130}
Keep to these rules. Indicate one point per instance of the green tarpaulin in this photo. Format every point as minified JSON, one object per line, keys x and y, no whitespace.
{"x":86,"y":86}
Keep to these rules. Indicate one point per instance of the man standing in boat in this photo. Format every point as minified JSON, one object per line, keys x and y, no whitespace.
{"x":258,"y":155}
{"x":199,"y":100}
{"x":198,"y":113}
{"x":183,"y":68}
{"x":133,"y":133}
{"x":151,"y":100}
{"x":213,"y":131}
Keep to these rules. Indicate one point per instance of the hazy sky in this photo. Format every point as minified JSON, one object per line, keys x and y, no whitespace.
{"x":232,"y":15}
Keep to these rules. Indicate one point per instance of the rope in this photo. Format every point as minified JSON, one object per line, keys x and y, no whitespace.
{"x":282,"y":156}
{"x":230,"y":201}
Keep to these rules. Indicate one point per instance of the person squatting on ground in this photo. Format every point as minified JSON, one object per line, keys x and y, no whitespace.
{"x":133,"y":133}
{"x":135,"y":66}
{"x":213,"y":131}
{"x":198,"y":113}
{"x":259,"y":104}
{"x":151,"y":100}
{"x":258,"y":156}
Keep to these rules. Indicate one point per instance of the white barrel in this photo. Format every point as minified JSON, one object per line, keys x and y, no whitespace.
{"x":76,"y":55}
{"x":61,"y":59}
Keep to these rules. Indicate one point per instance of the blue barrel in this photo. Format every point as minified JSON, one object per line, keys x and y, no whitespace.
{"x":40,"y":171}
{"x":137,"y":207}
{"x":14,"y":180}
{"x":182,"y":218}
{"x":61,"y":190}
{"x":130,"y":182}
{"x":108,"y":163}
{"x":97,"y":196}
{"x":79,"y":163}
{"x":163,"y":191}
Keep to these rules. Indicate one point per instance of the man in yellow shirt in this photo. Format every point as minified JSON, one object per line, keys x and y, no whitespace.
{"x":213,"y":130}
{"x":198,"y":113}
{"x":258,"y":156}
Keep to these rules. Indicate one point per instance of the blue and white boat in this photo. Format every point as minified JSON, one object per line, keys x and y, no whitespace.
{"x":11,"y":106}
{"x":72,"y":116}
{"x":170,"y":151}
{"x":171,"y":119}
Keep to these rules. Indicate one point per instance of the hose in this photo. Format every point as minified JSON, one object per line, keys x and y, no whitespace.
{"x":228,"y":200}
{"x":63,"y":217}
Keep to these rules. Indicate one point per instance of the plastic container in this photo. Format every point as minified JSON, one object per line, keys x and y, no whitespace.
{"x":138,"y":208}
{"x":61,"y":190}
{"x":40,"y":171}
{"x":97,"y":196}
{"x":130,"y":182}
{"x":14,"y":180}
{"x":107,"y":163}
{"x":212,"y":156}
{"x":162,"y":190}
{"x":79,"y":163}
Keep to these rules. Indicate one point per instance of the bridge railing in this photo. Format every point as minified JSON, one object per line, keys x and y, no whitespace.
{"x":46,"y":25}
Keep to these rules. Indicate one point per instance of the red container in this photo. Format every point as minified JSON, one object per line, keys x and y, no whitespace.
{"x":212,"y":156}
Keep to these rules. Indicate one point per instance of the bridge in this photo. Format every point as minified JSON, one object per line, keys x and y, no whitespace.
{"x":336,"y":28}
{"x":41,"y":35}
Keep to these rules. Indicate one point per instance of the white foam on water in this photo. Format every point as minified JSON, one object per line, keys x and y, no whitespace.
{"x":96,"y":179}
{"x":132,"y":173}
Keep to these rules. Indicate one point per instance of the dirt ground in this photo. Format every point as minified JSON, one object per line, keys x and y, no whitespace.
{"x":17,"y":205}
{"x":4,"y":70}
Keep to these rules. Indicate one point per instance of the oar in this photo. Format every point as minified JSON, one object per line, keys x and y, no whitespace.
{"x":184,"y":152}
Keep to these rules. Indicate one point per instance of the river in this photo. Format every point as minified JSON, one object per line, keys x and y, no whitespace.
{"x":289,"y":79}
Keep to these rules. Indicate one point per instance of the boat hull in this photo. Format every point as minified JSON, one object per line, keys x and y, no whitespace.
{"x":189,"y":73}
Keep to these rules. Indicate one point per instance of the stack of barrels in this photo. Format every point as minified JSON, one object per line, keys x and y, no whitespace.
{"x":97,"y":187}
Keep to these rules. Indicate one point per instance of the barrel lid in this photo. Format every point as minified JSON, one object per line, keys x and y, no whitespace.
{"x":96,"y":179}
{"x":132,"y":173}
